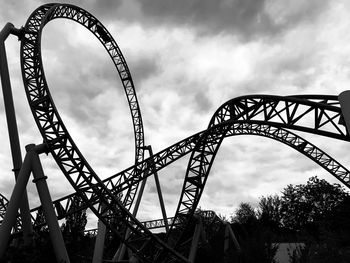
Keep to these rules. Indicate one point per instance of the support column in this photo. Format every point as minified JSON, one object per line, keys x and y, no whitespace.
{"x":195,"y":240}
{"x":14,"y":203}
{"x":121,"y":250}
{"x":12,"y":128}
{"x":99,"y":243}
{"x":230,"y":235}
{"x":100,"y":240}
{"x":159,"y":191}
{"x":46,"y":202}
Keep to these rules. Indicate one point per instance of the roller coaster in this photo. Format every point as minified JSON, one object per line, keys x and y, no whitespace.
{"x":116,"y":198}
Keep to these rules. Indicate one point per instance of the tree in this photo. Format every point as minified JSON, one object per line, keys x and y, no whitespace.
{"x":269,"y":210}
{"x":73,"y":231}
{"x":76,"y":221}
{"x":305,"y":204}
{"x":245,"y":213}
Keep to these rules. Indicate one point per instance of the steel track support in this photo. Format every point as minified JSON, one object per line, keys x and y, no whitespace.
{"x":229,"y":235}
{"x":194,"y":245}
{"x":14,"y":203}
{"x":119,"y":255}
{"x":100,"y":241}
{"x":159,"y":191}
{"x":12,"y":127}
{"x":30,"y":164}
{"x":46,"y":202}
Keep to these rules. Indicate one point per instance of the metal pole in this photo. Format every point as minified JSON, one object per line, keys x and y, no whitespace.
{"x":159,"y":191}
{"x":12,"y":127}
{"x":46,"y":202}
{"x":14,"y":203}
{"x":232,"y":235}
{"x":121,"y":251}
{"x":195,"y":240}
{"x":100,"y":241}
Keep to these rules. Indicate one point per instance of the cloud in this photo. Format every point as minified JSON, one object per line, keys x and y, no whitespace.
{"x":143,"y":68}
{"x":246,"y":19}
{"x":186,"y":59}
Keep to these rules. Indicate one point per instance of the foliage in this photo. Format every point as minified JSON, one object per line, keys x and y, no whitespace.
{"x":316,"y":213}
{"x":244,"y":214}
{"x":255,"y":238}
{"x":269,"y":211}
{"x":309,"y":203}
{"x":75,"y":224}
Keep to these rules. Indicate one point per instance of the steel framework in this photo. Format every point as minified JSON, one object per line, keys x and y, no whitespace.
{"x":111,"y":199}
{"x":64,"y":207}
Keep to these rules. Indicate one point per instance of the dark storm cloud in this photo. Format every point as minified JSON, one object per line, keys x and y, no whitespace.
{"x":210,"y":16}
{"x":142,"y":68}
{"x":106,"y":9}
{"x":246,"y":18}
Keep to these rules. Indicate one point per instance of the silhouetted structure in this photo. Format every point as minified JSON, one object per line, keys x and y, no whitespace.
{"x":111,"y":200}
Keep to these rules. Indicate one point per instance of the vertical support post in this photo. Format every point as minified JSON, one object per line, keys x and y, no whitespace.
{"x":230,"y":235}
{"x":159,"y":191}
{"x":46,"y":202}
{"x":99,"y":243}
{"x":195,"y":240}
{"x":121,"y":250}
{"x":14,"y":203}
{"x":12,"y":127}
{"x":233,"y":237}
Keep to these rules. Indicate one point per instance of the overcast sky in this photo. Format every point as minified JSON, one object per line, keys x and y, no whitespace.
{"x":186,"y":59}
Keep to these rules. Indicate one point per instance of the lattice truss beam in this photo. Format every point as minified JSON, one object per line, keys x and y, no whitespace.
{"x":39,"y":95}
{"x":65,"y":206}
{"x":86,"y":183}
{"x":318,"y":116}
{"x":260,"y":115}
{"x":209,"y":218}
{"x":314,"y":114}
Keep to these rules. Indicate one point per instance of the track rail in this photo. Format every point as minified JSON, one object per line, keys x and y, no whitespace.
{"x":42,"y":105}
{"x":314,"y":114}
{"x":262,"y":115}
{"x":59,"y":142}
{"x":63,"y":206}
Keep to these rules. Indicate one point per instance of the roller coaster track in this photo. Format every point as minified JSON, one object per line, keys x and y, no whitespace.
{"x":3,"y":205}
{"x":269,"y":116}
{"x":64,"y":207}
{"x":322,"y":113}
{"x":208,"y":215}
{"x":58,"y":141}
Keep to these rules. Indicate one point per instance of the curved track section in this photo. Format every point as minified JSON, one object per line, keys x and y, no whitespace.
{"x":322,"y":117}
{"x":63,"y":206}
{"x":59,"y":142}
{"x":314,"y":114}
{"x":265,"y":115}
{"x":310,"y":114}
{"x":40,"y":100}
